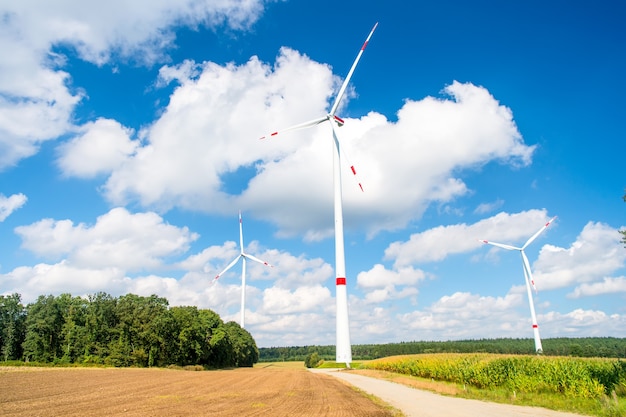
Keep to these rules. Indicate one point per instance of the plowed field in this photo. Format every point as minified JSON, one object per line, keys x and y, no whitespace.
{"x":265,"y":391}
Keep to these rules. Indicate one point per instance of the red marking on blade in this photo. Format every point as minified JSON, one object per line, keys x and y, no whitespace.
{"x":353,"y":170}
{"x":535,"y":326}
{"x":341,"y":281}
{"x":361,"y":187}
{"x":364,"y":46}
{"x":340,"y":120}
{"x":274,"y":134}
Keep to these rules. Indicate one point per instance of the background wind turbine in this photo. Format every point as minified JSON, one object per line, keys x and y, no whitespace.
{"x":243,"y":256}
{"x":343,"y":348}
{"x":528,"y":276}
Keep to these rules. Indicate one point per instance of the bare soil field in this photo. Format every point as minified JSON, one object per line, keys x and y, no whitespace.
{"x":262,"y":391}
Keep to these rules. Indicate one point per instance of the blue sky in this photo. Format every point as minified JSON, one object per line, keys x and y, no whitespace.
{"x":129,"y":143}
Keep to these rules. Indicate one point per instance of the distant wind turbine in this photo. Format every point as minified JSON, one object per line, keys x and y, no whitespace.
{"x":529,"y":279}
{"x":243,"y":256}
{"x":343,"y":349}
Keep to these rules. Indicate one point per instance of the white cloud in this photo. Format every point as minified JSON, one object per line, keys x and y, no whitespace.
{"x":278,"y":301}
{"x":99,"y":148}
{"x":440,"y":242}
{"x":141,"y":29}
{"x":578,"y":322}
{"x":379,"y":276}
{"x":9,"y":204}
{"x":464,"y":315}
{"x":36,"y":103}
{"x":119,"y":238}
{"x":40,"y":279}
{"x":212,"y":123}
{"x":485,"y":208}
{"x":606,"y":286}
{"x":596,"y":254}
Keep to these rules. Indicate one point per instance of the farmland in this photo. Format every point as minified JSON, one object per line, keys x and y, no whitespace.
{"x":267,"y":390}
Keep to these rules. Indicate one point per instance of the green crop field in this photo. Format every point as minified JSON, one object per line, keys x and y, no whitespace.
{"x":588,"y":386}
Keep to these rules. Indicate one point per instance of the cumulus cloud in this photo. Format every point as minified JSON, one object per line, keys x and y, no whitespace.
{"x":304,"y":299}
{"x":463,"y":315}
{"x":485,"y":208}
{"x":595,"y":255}
{"x":63,"y":277}
{"x":99,"y":148}
{"x":440,"y":242}
{"x":210,"y":130}
{"x":606,"y":286}
{"x":9,"y":204}
{"x":36,"y":101}
{"x":580,"y":321}
{"x":119,"y":238}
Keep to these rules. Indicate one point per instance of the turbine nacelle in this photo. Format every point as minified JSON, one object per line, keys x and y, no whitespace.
{"x":337,"y":120}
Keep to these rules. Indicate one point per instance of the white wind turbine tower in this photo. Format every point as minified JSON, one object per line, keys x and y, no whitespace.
{"x":243,"y":256}
{"x":343,"y":349}
{"x":529,"y":279}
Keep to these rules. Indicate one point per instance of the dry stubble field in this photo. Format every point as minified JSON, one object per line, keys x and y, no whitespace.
{"x":269,"y":391}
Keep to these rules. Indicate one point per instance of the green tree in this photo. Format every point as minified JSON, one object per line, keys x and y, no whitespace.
{"x":73,"y":330}
{"x":137,"y":340}
{"x":12,"y":326}
{"x":245,"y":351}
{"x":190,"y":336}
{"x":44,"y":321}
{"x":220,"y":352}
{"x":100,"y":326}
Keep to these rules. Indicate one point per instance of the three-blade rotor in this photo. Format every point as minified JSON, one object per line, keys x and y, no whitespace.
{"x":242,"y":254}
{"x":525,"y":262}
{"x":331,"y":116}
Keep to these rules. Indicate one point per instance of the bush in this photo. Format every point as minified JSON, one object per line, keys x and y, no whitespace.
{"x":312,"y":360}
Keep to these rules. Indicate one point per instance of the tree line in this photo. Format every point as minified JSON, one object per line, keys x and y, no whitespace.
{"x":603,"y":347}
{"x":129,"y":330}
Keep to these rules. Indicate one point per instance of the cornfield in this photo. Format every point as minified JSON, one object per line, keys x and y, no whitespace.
{"x":572,"y":377}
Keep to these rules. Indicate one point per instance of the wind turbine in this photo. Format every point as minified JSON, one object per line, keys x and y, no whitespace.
{"x":343,"y":352}
{"x":528,"y":276}
{"x":243,"y":256}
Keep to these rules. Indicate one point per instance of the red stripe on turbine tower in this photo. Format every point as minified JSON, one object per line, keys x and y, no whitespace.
{"x":341,"y":281}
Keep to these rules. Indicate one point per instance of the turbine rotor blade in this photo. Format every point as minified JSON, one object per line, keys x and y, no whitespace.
{"x":342,"y":152}
{"x":240,"y":233}
{"x":297,"y":127}
{"x":500,"y":245}
{"x":529,"y":241}
{"x":342,"y":90}
{"x":230,"y":265}
{"x":254,"y":258}
{"x":527,"y":273}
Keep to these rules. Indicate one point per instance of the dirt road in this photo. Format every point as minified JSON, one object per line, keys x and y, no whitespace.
{"x":418,"y":403}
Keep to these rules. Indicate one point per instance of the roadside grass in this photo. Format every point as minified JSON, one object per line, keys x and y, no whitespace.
{"x":613,"y":405}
